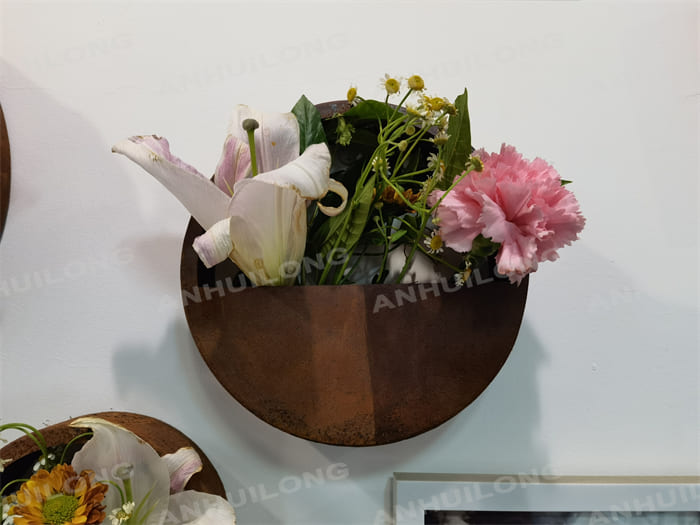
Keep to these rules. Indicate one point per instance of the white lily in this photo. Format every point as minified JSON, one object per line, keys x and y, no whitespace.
{"x":260,"y":222}
{"x":116,"y":454}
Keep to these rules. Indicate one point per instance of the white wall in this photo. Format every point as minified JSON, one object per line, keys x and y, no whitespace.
{"x":604,"y":377}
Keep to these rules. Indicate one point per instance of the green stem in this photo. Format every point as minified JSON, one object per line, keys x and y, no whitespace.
{"x":253,"y":158}
{"x":4,"y":488}
{"x":65,"y":449}
{"x":250,"y":125}
{"x":128,"y":493}
{"x":30,"y":431}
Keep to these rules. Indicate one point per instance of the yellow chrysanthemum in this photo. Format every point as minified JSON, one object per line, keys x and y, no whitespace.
{"x":60,"y":497}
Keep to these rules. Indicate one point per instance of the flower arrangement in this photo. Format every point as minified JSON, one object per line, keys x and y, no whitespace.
{"x":115,"y":478}
{"x":377,"y":193}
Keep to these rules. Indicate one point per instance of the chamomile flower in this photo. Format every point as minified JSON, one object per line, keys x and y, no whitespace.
{"x":7,"y":517}
{"x":436,"y":164}
{"x":461,"y":278}
{"x":391,"y":84}
{"x":440,"y":138}
{"x":415,"y":82}
{"x":352,"y":93}
{"x":434,"y":243}
{"x":43,"y":461}
{"x":123,"y":513}
{"x":434,"y":103}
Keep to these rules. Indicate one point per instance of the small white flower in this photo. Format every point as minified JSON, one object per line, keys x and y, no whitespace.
{"x":434,"y":243}
{"x":123,"y":513}
{"x":462,"y":277}
{"x":7,"y":518}
{"x":435,"y":164}
{"x":42,"y":461}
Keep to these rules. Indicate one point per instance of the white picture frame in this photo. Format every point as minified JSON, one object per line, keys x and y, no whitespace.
{"x":426,"y":499}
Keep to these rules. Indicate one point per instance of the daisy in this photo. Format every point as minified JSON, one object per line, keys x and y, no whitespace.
{"x":433,"y":243}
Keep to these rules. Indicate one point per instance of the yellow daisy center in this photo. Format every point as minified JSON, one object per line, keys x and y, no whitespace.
{"x":416,"y":83}
{"x":60,"y":509}
{"x":435,"y":242}
{"x":392,"y":86}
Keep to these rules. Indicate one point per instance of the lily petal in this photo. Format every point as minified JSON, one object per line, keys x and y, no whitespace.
{"x":234,"y":164}
{"x":215,"y":244}
{"x":112,"y":446}
{"x":197,"y":508}
{"x":335,"y":187}
{"x":182,"y":465}
{"x":268,"y":232}
{"x":199,"y":195}
{"x":308,"y":174}
{"x":276,"y":140}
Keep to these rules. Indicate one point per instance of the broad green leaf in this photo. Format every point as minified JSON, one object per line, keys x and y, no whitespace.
{"x":459,"y":146}
{"x":356,"y":214}
{"x":310,"y":126}
{"x":369,"y":110}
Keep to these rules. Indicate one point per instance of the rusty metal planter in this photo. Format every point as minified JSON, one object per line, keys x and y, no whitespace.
{"x":161,"y":436}
{"x":349,"y":365}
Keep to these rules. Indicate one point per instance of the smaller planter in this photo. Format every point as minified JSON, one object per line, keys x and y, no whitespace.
{"x":162,"y":437}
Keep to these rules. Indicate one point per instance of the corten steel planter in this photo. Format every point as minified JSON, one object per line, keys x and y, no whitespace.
{"x":4,"y":172}
{"x":161,"y":436}
{"x":349,"y":365}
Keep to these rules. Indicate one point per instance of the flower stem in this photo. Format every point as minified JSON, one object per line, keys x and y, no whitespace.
{"x":250,"y":125}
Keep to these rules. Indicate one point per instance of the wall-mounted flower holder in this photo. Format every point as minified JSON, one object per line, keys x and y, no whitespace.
{"x":165,"y":439}
{"x":355,"y":364}
{"x":4,"y":171}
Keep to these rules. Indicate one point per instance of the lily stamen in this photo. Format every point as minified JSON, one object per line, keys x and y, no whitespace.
{"x":250,"y":125}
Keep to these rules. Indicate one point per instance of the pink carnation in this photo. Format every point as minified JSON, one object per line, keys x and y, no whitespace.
{"x":517,"y":203}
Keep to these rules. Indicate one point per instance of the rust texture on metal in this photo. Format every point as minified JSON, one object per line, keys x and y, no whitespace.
{"x":349,"y":365}
{"x":162,"y":437}
{"x":5,"y":166}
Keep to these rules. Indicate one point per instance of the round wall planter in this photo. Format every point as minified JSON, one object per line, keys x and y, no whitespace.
{"x":355,"y":364}
{"x":4,"y":172}
{"x":161,"y":436}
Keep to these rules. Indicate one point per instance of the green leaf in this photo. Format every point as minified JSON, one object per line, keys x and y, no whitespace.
{"x":369,"y":110}
{"x":397,"y":235}
{"x":459,"y":146}
{"x":356,"y":214}
{"x":483,"y":247}
{"x":310,"y":126}
{"x":564,"y":182}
